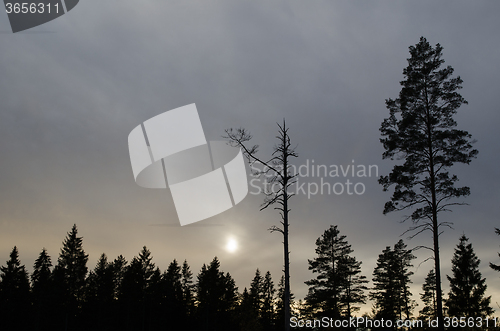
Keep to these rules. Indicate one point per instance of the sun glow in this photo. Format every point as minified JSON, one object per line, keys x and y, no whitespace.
{"x":232,"y":245}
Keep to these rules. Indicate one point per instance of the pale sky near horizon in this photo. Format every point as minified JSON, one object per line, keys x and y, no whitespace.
{"x":72,"y":90}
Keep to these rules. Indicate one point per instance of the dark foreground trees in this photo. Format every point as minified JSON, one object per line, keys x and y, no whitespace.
{"x":338,"y":288}
{"x":421,"y":130}
{"x":429,"y":297}
{"x":117,"y":295}
{"x":467,"y":287}
{"x":15,"y":301}
{"x":391,"y":283}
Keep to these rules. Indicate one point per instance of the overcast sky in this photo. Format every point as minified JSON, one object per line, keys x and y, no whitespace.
{"x":72,"y":90}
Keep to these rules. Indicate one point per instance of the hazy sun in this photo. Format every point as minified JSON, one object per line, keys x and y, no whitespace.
{"x":231,"y":245}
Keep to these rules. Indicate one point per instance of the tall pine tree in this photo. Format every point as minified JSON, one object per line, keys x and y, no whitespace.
{"x":421,"y":130}
{"x":467,"y":287}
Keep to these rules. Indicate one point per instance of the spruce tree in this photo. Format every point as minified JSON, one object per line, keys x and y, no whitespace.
{"x":42,"y":291}
{"x":15,"y":300}
{"x":70,"y":279}
{"x":257,"y":294}
{"x":100,"y":295}
{"x":216,"y":298}
{"x":246,"y":313}
{"x":467,"y":287}
{"x":421,"y":130}
{"x":134,"y":290}
{"x":338,"y":287}
{"x":187,"y":291}
{"x":119,"y":268}
{"x":173,"y":296}
{"x":268,"y":303}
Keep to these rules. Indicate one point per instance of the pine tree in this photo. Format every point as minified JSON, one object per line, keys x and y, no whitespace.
{"x":467,"y":287}
{"x":338,"y":285}
{"x":15,"y":301}
{"x":391,"y":279}
{"x":429,"y":297}
{"x":421,"y":130}
{"x":353,"y":291}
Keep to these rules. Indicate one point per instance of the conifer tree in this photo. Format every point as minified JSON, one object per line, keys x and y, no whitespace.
{"x":119,"y":268}
{"x":421,"y":130}
{"x":216,"y":298}
{"x":246,"y":313}
{"x":71,"y":268}
{"x":429,"y":297}
{"x":467,"y":287}
{"x":268,"y":303}
{"x":42,"y":291}
{"x":280,"y":304}
{"x":173,"y":296}
{"x":100,"y":295}
{"x":187,"y":290}
{"x":353,"y":291}
{"x":338,"y":287}
{"x":391,"y":279}
{"x":257,"y":293}
{"x":15,"y":300}
{"x":134,"y":289}
{"x":70,"y":278}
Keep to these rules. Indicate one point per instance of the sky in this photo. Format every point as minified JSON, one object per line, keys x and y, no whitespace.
{"x":71,"y":91}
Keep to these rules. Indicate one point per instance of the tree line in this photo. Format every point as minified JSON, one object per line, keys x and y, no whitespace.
{"x":137,"y":295}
